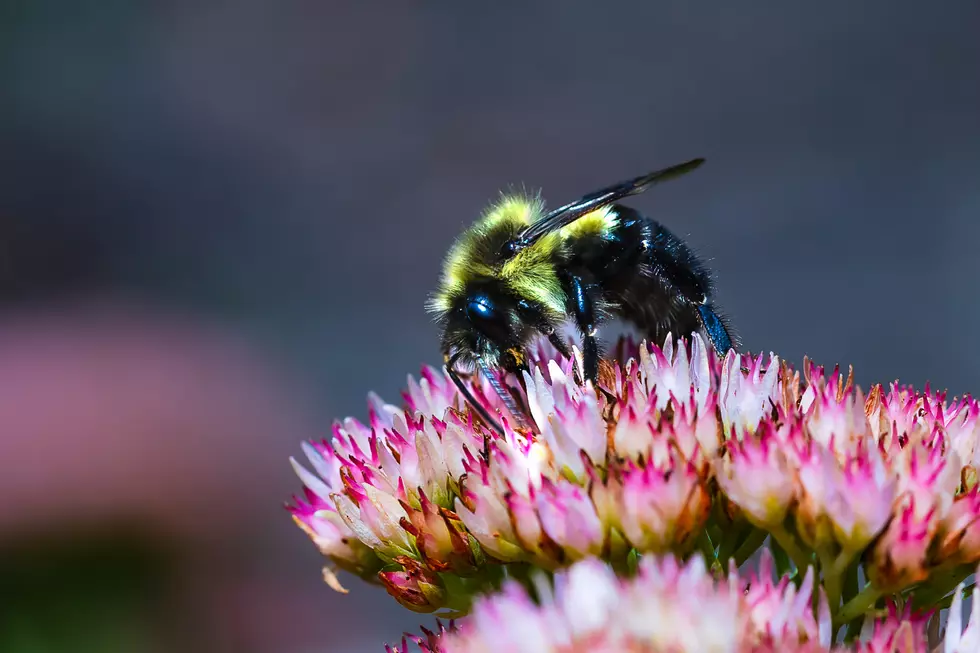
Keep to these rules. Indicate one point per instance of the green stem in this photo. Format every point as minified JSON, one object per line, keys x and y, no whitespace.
{"x":851,"y":581}
{"x":940,"y":585}
{"x":853,"y":629}
{"x":857,"y":606}
{"x":835,"y":570}
{"x":707,"y":548}
{"x":715,"y":532}
{"x":788,"y":544}
{"x":948,"y":600}
{"x":460,"y":591}
{"x":520,"y":572}
{"x":851,"y":588}
{"x":832,"y":587}
{"x":751,"y":544}
{"x":783,"y":564}
{"x":632,"y":561}
{"x":734,"y":540}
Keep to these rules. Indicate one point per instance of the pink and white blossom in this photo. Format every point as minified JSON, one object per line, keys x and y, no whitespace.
{"x":677,"y":452}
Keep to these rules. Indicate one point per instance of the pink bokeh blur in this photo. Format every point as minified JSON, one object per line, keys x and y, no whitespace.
{"x":113,"y":412}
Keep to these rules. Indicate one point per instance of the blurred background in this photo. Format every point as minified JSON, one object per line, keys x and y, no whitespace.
{"x":219,"y":221}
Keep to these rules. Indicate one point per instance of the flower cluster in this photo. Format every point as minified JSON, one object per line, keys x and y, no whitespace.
{"x":668,"y":606}
{"x":676,"y":452}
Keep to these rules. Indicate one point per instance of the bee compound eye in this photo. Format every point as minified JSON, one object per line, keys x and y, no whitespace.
{"x":480,"y":309}
{"x":484,"y":316}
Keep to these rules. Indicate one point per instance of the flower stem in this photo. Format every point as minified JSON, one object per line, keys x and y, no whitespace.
{"x":788,"y":544}
{"x":851,"y":581}
{"x":857,"y":606}
{"x":733,"y":541}
{"x":707,"y":549}
{"x":784,"y":565}
{"x":751,"y":544}
{"x":853,"y":629}
{"x":835,"y":571}
{"x":948,"y":599}
{"x":851,"y":588}
{"x":519,"y":572}
{"x":715,"y":532}
{"x":459,"y":593}
{"x":940,"y":585}
{"x":832,"y":587}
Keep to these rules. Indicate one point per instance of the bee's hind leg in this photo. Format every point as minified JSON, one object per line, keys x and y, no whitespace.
{"x":718,"y":332}
{"x":716,"y":329}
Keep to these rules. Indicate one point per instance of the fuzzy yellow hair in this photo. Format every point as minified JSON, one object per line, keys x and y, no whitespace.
{"x":531,"y":272}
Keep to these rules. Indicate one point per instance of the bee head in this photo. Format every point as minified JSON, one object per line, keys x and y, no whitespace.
{"x":491,"y":326}
{"x":489,"y":318}
{"x":493,"y":294}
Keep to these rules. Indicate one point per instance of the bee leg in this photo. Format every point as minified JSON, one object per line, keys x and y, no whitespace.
{"x":696,"y":294}
{"x":585,"y":318}
{"x":715,"y":328}
{"x":559,"y":344}
{"x":475,"y":405}
{"x":590,"y":361}
{"x":590,"y":355}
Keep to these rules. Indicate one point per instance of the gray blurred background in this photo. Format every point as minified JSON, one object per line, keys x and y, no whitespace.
{"x":219,"y":222}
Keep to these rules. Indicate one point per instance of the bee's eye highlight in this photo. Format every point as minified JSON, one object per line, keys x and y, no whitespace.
{"x":483,"y":314}
{"x":480,"y":308}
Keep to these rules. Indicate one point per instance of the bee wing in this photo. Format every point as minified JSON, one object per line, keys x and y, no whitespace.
{"x":569,"y":213}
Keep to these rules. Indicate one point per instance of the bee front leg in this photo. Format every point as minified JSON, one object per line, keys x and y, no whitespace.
{"x":473,"y":404}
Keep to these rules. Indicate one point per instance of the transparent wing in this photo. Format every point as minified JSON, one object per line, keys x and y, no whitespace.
{"x":569,"y":213}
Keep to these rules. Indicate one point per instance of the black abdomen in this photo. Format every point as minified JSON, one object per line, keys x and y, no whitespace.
{"x":646,"y":275}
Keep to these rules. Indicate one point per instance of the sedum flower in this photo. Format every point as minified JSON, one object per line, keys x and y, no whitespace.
{"x":961,"y":529}
{"x":661,"y":508}
{"x":414,"y":585}
{"x":680,"y":607}
{"x":757,"y":475}
{"x":666,"y":606}
{"x":843,"y":503}
{"x":959,"y":639}
{"x":677,"y":452}
{"x":779,"y":612}
{"x":442,"y":541}
{"x":897,"y":632}
{"x":746,"y":397}
{"x":569,"y":420}
{"x":316,"y":514}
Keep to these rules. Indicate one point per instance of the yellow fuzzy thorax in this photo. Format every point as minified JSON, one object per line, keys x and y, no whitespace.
{"x":531,"y":272}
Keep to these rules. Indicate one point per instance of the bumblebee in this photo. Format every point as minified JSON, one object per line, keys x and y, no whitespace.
{"x":520,"y":272}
